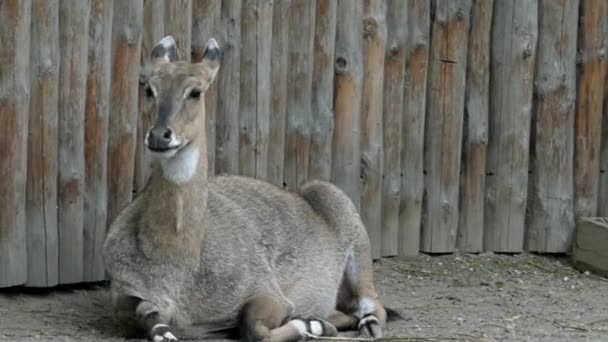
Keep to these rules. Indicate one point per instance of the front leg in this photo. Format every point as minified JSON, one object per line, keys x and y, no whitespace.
{"x":154,"y":321}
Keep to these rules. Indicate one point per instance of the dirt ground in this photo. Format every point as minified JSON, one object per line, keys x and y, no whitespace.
{"x":457,"y":297}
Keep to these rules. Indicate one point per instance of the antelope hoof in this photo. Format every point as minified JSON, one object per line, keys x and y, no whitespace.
{"x":162,"y":333}
{"x":370,"y":327}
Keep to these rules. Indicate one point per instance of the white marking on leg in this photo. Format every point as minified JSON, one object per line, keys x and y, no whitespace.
{"x":169,"y":336}
{"x":316,"y":328}
{"x":158,"y":338}
{"x":180,"y":168}
{"x":366,"y":306}
{"x":368,"y":320}
{"x":300,"y":326}
{"x":156,"y":326}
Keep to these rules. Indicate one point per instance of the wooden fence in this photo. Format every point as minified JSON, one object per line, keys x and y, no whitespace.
{"x":452,"y":124}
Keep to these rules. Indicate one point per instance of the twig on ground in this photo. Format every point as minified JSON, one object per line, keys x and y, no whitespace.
{"x":408,"y":269}
{"x":397,"y":339}
{"x":573,"y":326}
{"x":548,"y":270}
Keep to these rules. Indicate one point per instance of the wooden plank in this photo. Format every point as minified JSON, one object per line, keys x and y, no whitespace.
{"x":97,"y":107}
{"x":227,"y":129}
{"x":205,"y":21}
{"x":73,"y":47}
{"x":590,"y":240}
{"x":278,"y":100}
{"x":41,"y":203}
{"x":445,"y":113}
{"x":348,"y":85}
{"x":592,"y":37}
{"x":263,"y":93}
{"x":126,"y":53}
{"x":153,"y":32}
{"x":178,"y":23}
{"x":322,"y":91}
{"x":299,"y":92}
{"x":477,"y":95}
{"x":603,"y":183}
{"x":514,"y":37}
{"x":552,"y":192}
{"x":15,"y":17}
{"x":372,"y":194}
{"x":248,"y":89}
{"x":414,"y":109}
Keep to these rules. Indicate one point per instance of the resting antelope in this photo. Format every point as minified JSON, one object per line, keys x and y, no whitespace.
{"x":227,"y":252}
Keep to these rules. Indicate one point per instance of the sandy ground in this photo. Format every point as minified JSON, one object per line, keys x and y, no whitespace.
{"x":457,"y":297}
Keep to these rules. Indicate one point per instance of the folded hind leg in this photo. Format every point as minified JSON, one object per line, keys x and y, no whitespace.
{"x":155,"y":321}
{"x":266,"y":318}
{"x":342,"y":321}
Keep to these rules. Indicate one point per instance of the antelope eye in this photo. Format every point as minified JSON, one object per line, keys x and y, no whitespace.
{"x":149,"y":92}
{"x":195,"y":94}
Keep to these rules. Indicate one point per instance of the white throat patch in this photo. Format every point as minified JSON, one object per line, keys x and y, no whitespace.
{"x":180,"y":168}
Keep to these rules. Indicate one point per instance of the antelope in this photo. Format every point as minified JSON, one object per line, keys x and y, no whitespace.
{"x":231,"y":252}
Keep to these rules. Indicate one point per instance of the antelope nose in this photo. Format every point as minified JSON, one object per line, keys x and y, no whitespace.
{"x":159,"y":137}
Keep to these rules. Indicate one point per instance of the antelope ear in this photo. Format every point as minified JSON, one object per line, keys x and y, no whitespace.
{"x":212,"y":58}
{"x":165,"y":51}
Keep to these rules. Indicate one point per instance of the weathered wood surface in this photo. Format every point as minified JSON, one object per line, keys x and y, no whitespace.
{"x":471,"y":217}
{"x":15,"y":16}
{"x":263,"y":90}
{"x":413,"y":122}
{"x":298,"y":125}
{"x":127,"y":27}
{"x":348,"y":86}
{"x":41,"y":204}
{"x":592,"y":39}
{"x":552,"y":192}
{"x":206,"y":15}
{"x":228,"y":78}
{"x":445,"y":113}
{"x":375,"y":218}
{"x":153,"y":32}
{"x":178,"y":23}
{"x":97,"y":110}
{"x":73,"y":47}
{"x":515,"y":31}
{"x":589,"y":251}
{"x":278,"y":85}
{"x":322,"y":91}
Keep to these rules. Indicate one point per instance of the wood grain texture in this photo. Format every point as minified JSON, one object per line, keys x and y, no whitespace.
{"x":514,"y":39}
{"x":414,"y":113}
{"x":127,"y":30}
{"x":178,"y":23}
{"x":153,"y":32}
{"x":477,"y":95}
{"x":552,"y":191}
{"x":589,"y":251}
{"x":15,"y":18}
{"x":263,"y":89}
{"x":206,"y":16}
{"x":298,"y":125}
{"x":74,"y":43}
{"x":348,"y":87}
{"x":227,"y":128}
{"x":445,"y":113}
{"x":97,"y":111}
{"x":41,"y":204}
{"x":278,"y":85}
{"x":592,"y":41}
{"x":323,"y":91}
{"x":603,"y":187}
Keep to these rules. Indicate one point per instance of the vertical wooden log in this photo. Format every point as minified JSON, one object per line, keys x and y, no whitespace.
{"x":97,"y":110}
{"x":514,"y":36}
{"x":178,"y":23}
{"x":348,"y":87}
{"x":263,"y":90}
{"x":591,"y":75}
{"x":74,"y":40}
{"x":126,"y":53}
{"x":602,"y":209}
{"x":205,"y":22}
{"x":414,"y":109}
{"x":153,"y":32}
{"x":248,"y":89}
{"x":552,"y":206}
{"x":41,"y":205}
{"x":15,"y":16}
{"x":445,"y":111}
{"x":299,"y":92}
{"x":477,"y":95}
{"x":322,"y":91}
{"x":227,"y":129}
{"x":278,"y":100}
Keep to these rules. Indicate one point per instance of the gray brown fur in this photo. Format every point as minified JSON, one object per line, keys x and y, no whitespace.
{"x":201,"y":251}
